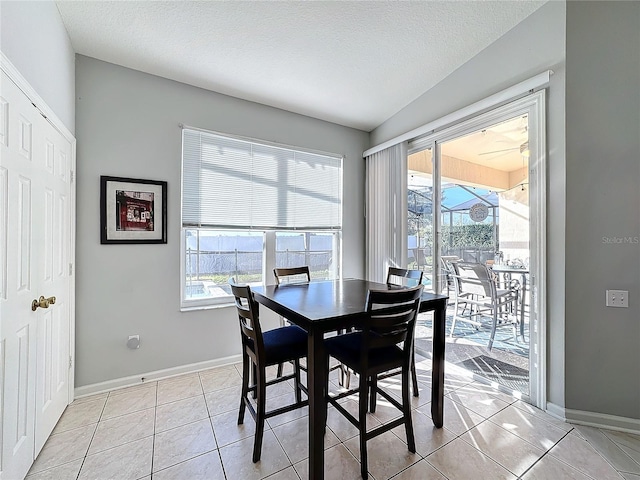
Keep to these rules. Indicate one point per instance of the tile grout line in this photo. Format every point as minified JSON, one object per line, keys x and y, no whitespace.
{"x":153,"y":443}
{"x":602,"y":455}
{"x":548,"y":452}
{"x":213,"y":430}
{"x":86,"y":454}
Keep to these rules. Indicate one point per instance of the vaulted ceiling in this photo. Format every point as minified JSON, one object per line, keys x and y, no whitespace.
{"x":355,"y":63}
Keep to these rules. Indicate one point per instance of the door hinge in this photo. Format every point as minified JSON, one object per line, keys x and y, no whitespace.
{"x":71,"y":175}
{"x":70,"y":269}
{"x":70,"y":361}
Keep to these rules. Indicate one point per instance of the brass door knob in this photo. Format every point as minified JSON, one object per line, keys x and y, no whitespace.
{"x":42,"y":302}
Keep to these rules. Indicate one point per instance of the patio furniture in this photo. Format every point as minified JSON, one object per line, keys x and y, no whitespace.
{"x":383,"y":343}
{"x":507,"y":272}
{"x":262,"y":350}
{"x":448,"y":263}
{"x":476,"y":288}
{"x":422,"y":258}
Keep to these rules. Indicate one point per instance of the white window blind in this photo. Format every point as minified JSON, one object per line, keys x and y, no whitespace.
{"x":229,"y":183}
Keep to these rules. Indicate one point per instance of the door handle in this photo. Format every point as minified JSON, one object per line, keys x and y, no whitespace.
{"x":42,"y":303}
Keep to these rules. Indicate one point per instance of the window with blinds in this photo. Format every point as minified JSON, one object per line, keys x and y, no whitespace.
{"x":248,"y":207}
{"x":229,"y":183}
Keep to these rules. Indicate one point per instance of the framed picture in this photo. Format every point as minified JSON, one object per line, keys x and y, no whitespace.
{"x":132,"y":210}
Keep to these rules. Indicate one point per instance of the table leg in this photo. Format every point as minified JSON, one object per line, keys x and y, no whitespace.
{"x":437,"y":374}
{"x":316,"y":372}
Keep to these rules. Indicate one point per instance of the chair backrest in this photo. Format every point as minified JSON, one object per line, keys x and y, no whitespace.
{"x":249,"y":318}
{"x":391,"y":318}
{"x":475,"y":278}
{"x":292,"y":275}
{"x":404,"y":278}
{"x":449,"y":269}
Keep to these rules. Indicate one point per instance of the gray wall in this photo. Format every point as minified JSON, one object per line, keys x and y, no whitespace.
{"x":34,"y":39}
{"x":127,"y":125}
{"x":603,"y":206}
{"x":535,"y":45}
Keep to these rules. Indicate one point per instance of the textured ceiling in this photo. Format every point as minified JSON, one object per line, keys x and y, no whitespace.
{"x":355,"y":63}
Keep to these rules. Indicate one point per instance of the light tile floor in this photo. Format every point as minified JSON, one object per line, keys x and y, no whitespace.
{"x":185,"y":428}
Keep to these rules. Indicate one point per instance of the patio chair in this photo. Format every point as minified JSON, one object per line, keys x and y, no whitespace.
{"x":448,"y":264}
{"x":476,"y":288}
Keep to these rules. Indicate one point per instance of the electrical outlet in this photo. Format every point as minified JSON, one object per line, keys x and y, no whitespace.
{"x":133,"y":342}
{"x":618,"y":298}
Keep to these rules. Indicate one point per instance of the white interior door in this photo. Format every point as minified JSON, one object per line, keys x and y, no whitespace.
{"x":52,"y":365}
{"x":34,"y":214}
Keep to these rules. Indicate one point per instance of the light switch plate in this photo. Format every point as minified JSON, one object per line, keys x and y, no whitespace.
{"x":618,"y":298}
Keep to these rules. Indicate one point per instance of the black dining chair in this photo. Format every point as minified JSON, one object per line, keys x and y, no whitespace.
{"x":260,"y":350}
{"x":292,"y":275}
{"x":383,"y":343}
{"x":402,"y":277}
{"x":289,"y":275}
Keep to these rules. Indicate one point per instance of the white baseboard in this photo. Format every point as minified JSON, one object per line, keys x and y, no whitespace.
{"x":556,"y":411}
{"x":598,"y":420}
{"x":152,"y":376}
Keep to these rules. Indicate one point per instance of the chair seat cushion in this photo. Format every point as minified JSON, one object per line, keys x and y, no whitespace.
{"x":284,"y":343}
{"x":347,"y":349}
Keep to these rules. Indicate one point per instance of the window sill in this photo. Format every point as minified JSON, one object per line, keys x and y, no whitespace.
{"x":207,"y":307}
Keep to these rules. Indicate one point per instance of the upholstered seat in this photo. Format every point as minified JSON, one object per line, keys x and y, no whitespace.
{"x":284,"y":344}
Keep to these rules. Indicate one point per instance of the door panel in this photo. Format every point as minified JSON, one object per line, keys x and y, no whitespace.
{"x":479,"y":173}
{"x":18,"y":321}
{"x":53,"y":331}
{"x":35,"y":217}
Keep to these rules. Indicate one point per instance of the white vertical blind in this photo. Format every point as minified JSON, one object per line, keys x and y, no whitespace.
{"x":230,"y":182}
{"x":386,"y":226}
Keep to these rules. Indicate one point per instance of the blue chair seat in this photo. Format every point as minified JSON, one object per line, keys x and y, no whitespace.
{"x":283,"y":344}
{"x":347,"y":349}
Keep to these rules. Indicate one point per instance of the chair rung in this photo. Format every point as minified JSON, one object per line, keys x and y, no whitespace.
{"x":288,"y":408}
{"x":252,"y":388}
{"x":389,"y":398}
{"x":389,"y":374}
{"x":280,"y":379}
{"x":346,"y":393}
{"x":344,"y":412}
{"x":384,"y":428}
{"x":249,"y":406}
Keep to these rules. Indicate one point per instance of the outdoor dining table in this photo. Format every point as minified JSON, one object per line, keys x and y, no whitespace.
{"x":325,"y":306}
{"x":523,"y":272}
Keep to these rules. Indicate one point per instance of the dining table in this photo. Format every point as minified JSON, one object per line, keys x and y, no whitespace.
{"x":326,"y":306}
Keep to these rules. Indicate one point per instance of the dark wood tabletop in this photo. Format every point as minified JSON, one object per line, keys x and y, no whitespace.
{"x":325,"y":306}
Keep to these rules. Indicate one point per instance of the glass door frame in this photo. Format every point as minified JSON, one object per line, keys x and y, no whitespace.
{"x":534,"y":106}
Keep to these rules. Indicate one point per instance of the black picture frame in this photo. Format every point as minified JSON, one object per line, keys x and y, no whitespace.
{"x":132,"y":210}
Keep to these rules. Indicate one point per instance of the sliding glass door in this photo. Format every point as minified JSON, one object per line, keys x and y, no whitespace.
{"x":420,"y":217}
{"x":474,"y":208}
